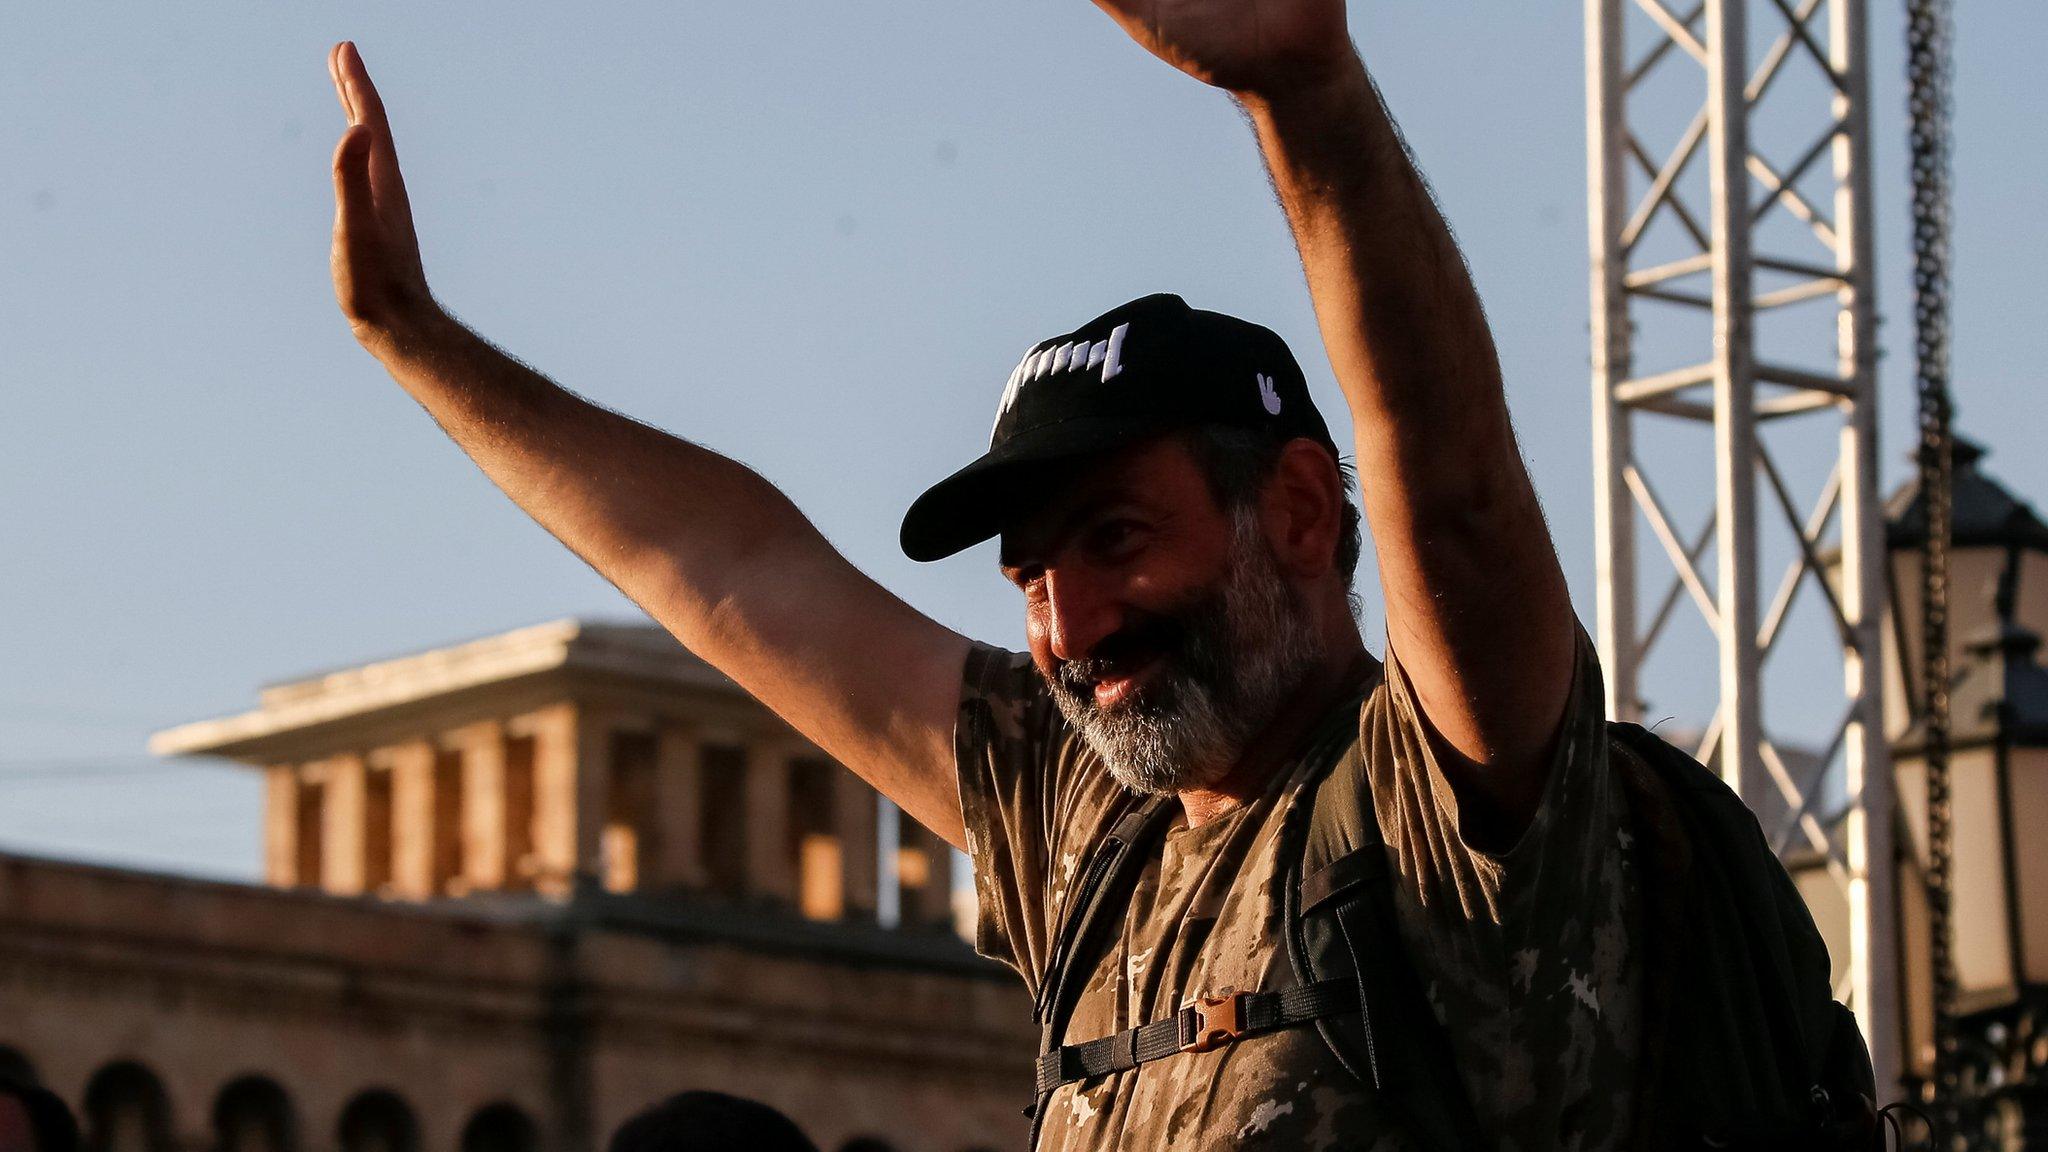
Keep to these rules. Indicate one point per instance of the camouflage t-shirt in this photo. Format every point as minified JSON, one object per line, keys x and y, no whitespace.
{"x":1527,"y":957}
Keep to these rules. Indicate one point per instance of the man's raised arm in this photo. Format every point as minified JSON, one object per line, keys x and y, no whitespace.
{"x":1476,"y":604}
{"x":711,"y":550}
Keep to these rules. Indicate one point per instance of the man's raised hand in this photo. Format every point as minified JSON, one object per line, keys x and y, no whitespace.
{"x":378,"y":279}
{"x":711,"y":550}
{"x":1243,"y":46}
{"x":1476,"y":601}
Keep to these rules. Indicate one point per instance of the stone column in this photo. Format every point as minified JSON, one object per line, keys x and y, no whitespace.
{"x":678,"y":809}
{"x":855,"y":812}
{"x":483,"y":804}
{"x":280,"y":826}
{"x":412,"y":818}
{"x":343,"y":862}
{"x":571,"y":779}
{"x":558,"y":812}
{"x":771,"y":865}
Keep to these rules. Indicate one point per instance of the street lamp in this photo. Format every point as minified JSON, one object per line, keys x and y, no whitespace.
{"x":1998,"y":610}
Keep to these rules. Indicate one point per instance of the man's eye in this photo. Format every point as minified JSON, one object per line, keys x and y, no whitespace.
{"x":1113,"y":535}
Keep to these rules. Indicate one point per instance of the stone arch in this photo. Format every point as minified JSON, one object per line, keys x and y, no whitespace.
{"x":253,"y":1114}
{"x":378,"y":1120}
{"x":127,"y":1110}
{"x":15,"y":1066}
{"x":500,"y":1127}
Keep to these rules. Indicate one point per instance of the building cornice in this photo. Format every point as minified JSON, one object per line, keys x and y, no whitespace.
{"x":290,"y":712}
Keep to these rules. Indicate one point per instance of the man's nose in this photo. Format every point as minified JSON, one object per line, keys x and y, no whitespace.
{"x":1079,"y":614}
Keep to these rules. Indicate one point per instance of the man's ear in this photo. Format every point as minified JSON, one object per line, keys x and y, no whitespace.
{"x":1303,"y":506}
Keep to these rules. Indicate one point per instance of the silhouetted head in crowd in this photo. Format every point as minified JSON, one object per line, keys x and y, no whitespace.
{"x":709,"y":1122}
{"x":32,"y":1119}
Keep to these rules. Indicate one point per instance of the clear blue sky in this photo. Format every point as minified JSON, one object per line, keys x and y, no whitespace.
{"x":813,"y":236}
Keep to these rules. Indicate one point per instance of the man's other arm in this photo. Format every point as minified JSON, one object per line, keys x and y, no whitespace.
{"x":1477,"y":607}
{"x":711,"y":550}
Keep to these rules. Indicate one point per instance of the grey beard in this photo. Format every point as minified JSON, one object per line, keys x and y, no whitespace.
{"x":1244,"y":648}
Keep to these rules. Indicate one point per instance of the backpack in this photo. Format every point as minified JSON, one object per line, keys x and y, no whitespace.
{"x":1744,"y":1045}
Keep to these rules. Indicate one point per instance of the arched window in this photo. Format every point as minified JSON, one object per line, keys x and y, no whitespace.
{"x":253,"y":1114}
{"x":16,"y":1067}
{"x":126,"y":1110}
{"x":500,"y":1127}
{"x":378,"y":1121}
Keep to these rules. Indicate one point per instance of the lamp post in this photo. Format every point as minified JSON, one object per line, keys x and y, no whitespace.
{"x":1998,"y":569}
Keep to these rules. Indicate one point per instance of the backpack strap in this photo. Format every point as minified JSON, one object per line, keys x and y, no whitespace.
{"x":1110,"y":875}
{"x":1084,"y":919}
{"x":1394,"y":1044}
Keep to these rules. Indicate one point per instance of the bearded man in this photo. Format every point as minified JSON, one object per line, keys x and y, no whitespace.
{"x":1176,"y":515}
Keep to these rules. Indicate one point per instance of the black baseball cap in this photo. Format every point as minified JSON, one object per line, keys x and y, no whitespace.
{"x":1151,"y":366}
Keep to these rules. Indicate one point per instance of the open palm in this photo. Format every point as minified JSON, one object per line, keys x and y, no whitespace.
{"x":1240,"y":45}
{"x":378,"y":279}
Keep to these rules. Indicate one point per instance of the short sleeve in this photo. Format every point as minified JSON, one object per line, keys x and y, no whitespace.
{"x":1033,"y":797}
{"x":1419,"y":810}
{"x":1528,"y":955}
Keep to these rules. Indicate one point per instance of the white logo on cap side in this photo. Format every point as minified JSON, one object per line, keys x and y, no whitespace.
{"x":1268,"y":395}
{"x":1072,"y":356}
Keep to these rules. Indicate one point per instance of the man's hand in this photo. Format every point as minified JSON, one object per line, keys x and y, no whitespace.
{"x":378,"y":279}
{"x":712,"y":551}
{"x":1242,"y":46}
{"x":1476,"y":604}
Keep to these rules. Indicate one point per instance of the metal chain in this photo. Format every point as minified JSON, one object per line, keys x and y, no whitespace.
{"x":1929,"y":30}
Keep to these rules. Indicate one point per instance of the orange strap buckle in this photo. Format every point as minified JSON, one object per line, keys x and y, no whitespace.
{"x":1216,"y":1021}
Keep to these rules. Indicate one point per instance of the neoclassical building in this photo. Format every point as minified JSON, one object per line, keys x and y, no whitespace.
{"x":517,"y":890}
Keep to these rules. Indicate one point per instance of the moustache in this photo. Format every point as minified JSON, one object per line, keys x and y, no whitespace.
{"x":1136,"y":644}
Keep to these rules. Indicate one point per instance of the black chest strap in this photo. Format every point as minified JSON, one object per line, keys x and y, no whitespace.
{"x":1210,"y":1022}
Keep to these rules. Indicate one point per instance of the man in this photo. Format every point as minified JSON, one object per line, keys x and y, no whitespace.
{"x":1176,"y":515}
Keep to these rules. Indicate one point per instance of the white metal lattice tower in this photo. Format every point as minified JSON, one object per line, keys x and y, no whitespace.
{"x":1748,"y":208}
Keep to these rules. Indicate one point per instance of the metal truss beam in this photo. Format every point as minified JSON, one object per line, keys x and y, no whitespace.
{"x":1667,"y":236}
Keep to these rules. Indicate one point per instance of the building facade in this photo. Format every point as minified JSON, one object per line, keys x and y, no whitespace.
{"x":517,"y":890}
